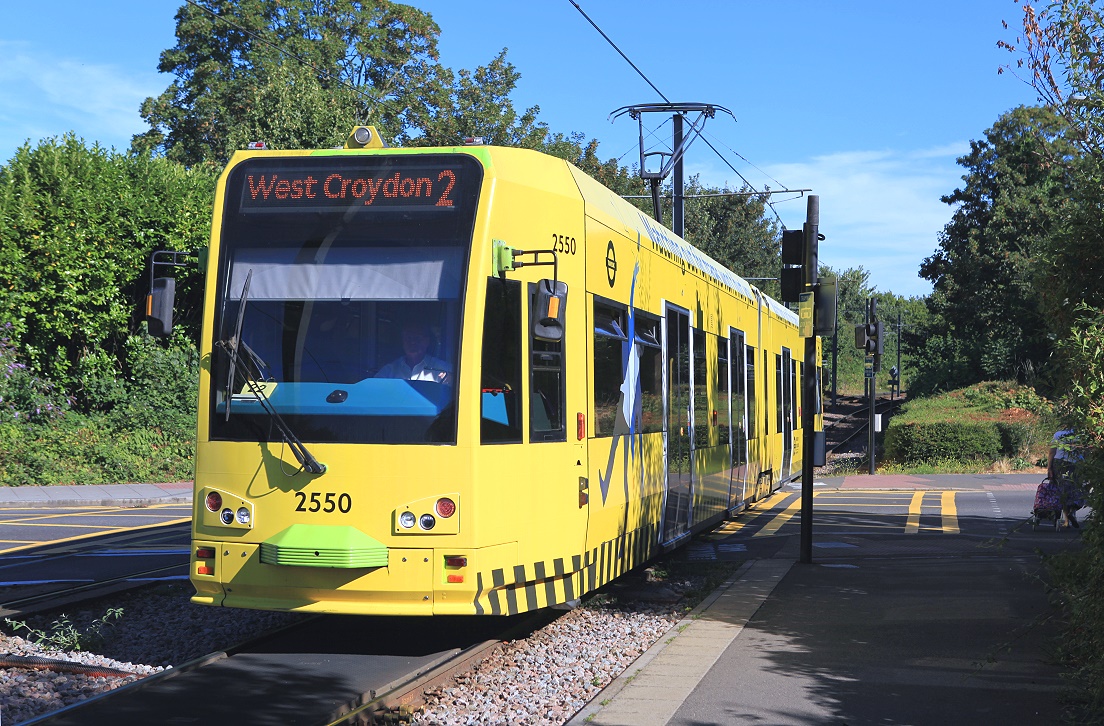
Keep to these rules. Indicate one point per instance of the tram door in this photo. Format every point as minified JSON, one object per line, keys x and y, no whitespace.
{"x":785,"y":391}
{"x":676,"y":508}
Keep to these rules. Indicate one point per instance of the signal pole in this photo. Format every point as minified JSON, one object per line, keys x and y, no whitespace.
{"x":808,"y":383}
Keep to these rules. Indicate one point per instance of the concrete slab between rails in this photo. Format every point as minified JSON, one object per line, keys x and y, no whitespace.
{"x":910,"y":482}
{"x":96,"y":495}
{"x":653,"y":688}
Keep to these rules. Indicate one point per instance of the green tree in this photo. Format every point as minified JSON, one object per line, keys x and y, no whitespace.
{"x":77,"y":226}
{"x":476,"y":103}
{"x":300,"y":73}
{"x":853,"y":290}
{"x":1060,"y":47}
{"x":987,"y":322}
{"x":732,"y":227}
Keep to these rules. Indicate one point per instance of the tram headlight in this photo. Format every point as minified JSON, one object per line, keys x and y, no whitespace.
{"x":407,"y":519}
{"x":243,"y":515}
{"x":227,"y":516}
{"x":427,"y":521}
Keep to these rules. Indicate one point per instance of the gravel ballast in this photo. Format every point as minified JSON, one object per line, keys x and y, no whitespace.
{"x":544,"y":678}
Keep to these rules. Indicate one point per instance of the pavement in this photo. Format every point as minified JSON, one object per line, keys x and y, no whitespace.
{"x":950,"y":629}
{"x":105,"y":495}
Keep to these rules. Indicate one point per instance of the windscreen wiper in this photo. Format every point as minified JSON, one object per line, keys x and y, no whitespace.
{"x":235,"y":345}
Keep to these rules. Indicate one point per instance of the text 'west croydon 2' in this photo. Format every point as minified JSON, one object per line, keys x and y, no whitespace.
{"x":340,"y":188}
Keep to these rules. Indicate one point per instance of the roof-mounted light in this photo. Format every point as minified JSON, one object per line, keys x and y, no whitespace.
{"x":364,"y":137}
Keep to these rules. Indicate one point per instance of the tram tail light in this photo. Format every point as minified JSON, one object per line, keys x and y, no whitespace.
{"x":455,"y":561}
{"x":202,"y":555}
{"x":214,"y":501}
{"x":445,"y":507}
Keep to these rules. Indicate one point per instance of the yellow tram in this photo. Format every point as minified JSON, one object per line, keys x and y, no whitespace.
{"x":467,"y":380}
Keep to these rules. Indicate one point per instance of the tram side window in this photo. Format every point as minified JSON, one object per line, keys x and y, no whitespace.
{"x":738,"y":400}
{"x":798,"y":390}
{"x":651,"y":373}
{"x":751,"y":395}
{"x":819,"y":399}
{"x":778,"y":398}
{"x":720,"y":391}
{"x":609,"y":345}
{"x":547,"y":386}
{"x":701,"y":397}
{"x":500,"y":421}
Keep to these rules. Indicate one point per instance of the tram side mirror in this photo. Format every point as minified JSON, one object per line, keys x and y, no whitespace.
{"x":548,"y":312}
{"x":159,"y":307}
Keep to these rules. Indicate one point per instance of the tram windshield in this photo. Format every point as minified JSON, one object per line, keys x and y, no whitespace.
{"x":345,"y":276}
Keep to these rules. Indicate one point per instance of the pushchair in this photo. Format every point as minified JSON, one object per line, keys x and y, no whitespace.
{"x":1058,"y":502}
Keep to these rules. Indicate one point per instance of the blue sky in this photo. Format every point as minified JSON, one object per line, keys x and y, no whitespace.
{"x":867,"y":103}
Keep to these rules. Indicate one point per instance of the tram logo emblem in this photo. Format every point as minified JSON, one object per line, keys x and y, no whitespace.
{"x":611,"y":263}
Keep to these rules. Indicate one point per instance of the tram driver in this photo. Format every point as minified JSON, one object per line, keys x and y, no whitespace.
{"x":415,"y":364}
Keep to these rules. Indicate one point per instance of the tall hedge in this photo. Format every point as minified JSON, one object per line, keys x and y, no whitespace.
{"x":77,"y":225}
{"x":985,"y":421}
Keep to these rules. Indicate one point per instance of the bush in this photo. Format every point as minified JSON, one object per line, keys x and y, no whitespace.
{"x":985,"y":421}
{"x":139,"y":427}
{"x":24,"y":397}
{"x":913,"y":443}
{"x":1078,"y":576}
{"x":77,"y":226}
{"x":88,"y":449}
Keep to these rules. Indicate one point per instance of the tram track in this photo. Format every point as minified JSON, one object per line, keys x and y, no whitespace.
{"x":845,"y":429}
{"x":365,"y":678}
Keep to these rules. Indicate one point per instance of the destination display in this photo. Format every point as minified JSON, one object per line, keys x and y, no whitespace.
{"x":265,"y":188}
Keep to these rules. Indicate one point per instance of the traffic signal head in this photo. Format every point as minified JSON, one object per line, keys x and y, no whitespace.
{"x":868,"y":337}
{"x":793,"y":274}
{"x":793,"y":247}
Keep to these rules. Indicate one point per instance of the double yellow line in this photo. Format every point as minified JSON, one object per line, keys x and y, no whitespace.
{"x":948,"y":512}
{"x":947,"y":509}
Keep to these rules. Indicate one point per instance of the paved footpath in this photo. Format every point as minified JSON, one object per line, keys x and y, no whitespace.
{"x":956,"y":632}
{"x":96,"y":495}
{"x":964,"y":482}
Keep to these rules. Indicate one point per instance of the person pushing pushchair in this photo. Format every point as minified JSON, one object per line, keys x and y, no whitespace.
{"x":1061,"y":491}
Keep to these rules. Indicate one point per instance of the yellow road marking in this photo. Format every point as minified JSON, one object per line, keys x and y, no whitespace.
{"x":730,"y":527}
{"x":912,"y":525}
{"x":64,"y":520}
{"x":780,"y":519}
{"x":105,"y":530}
{"x":950,"y":513}
{"x":830,"y":502}
{"x":772,"y":500}
{"x":59,"y":524}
